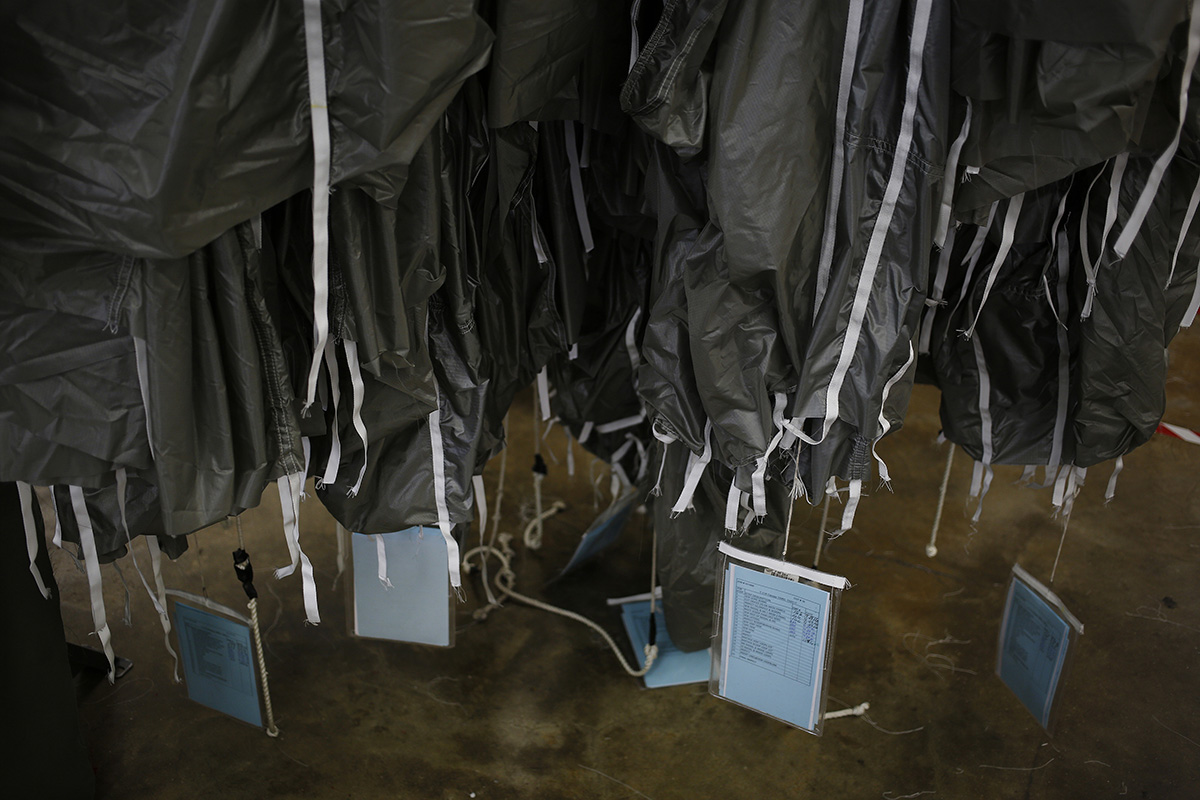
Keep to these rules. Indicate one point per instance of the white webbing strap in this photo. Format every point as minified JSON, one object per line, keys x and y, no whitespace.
{"x":666,"y":439}
{"x":570,"y":453}
{"x":25,"y":495}
{"x":581,"y":214}
{"x":381,"y":561}
{"x":885,"y":424}
{"x":971,"y":259}
{"x":1142,"y":208}
{"x":1187,"y":223}
{"x":314,"y":44}
{"x":936,"y":295}
{"x":439,"y":491}
{"x":356,"y":382}
{"x":158,"y":603}
{"x":340,"y":533}
{"x":1193,"y":308}
{"x":1111,"y":491}
{"x":289,"y":502}
{"x":634,"y":45}
{"x":883,"y":219}
{"x":635,"y":360}
{"x":1110,"y":217}
{"x":758,"y":478}
{"x":91,"y":561}
{"x":586,"y":431}
{"x":543,"y":390}
{"x":829,"y":235}
{"x":949,"y":179}
{"x":480,"y":503}
{"x":733,"y":501}
{"x":1006,"y":240}
{"x":57,"y":538}
{"x":855,"y":494}
{"x":980,"y":488}
{"x":621,"y":424}
{"x":335,"y":438}
{"x":161,"y":590}
{"x":1064,"y":356}
{"x":539,"y":246}
{"x":695,"y":469}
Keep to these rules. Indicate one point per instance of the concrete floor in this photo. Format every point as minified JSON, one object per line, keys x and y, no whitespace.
{"x":529,"y":705}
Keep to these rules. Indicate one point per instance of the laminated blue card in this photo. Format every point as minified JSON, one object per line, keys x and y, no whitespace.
{"x":401,"y":587}
{"x":673,"y":667}
{"x":1036,"y":638}
{"x":218,"y":662}
{"x":774,"y":636}
{"x":603,"y":531}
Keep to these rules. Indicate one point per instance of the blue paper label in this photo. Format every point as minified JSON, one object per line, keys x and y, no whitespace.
{"x":218,"y":663}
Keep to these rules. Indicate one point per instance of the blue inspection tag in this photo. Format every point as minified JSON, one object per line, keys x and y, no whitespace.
{"x":218,"y":663}
{"x":1035,"y":639}
{"x":416,"y":607}
{"x":773,"y":645}
{"x":673,"y":667}
{"x":603,"y":531}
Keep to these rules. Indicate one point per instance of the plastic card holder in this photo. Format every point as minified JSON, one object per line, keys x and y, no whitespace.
{"x":1037,"y":639}
{"x":773,"y":629}
{"x":603,"y":531}
{"x":218,"y":662}
{"x":672,"y":667}
{"x":418,"y":606}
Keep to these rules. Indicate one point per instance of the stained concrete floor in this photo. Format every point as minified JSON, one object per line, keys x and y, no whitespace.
{"x":529,"y":705}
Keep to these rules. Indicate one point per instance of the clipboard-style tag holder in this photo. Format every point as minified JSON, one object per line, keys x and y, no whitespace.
{"x":773,"y":631}
{"x":1036,"y":646}
{"x":218,"y":659}
{"x":399,"y":588}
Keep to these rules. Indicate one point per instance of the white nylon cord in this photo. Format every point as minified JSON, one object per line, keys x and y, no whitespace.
{"x":314,"y":44}
{"x":91,"y":561}
{"x":25,"y":495}
{"x":1138,"y":215}
{"x":829,"y":235}
{"x":356,"y":381}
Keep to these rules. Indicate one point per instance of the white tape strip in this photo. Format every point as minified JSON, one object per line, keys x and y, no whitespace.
{"x":91,"y":561}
